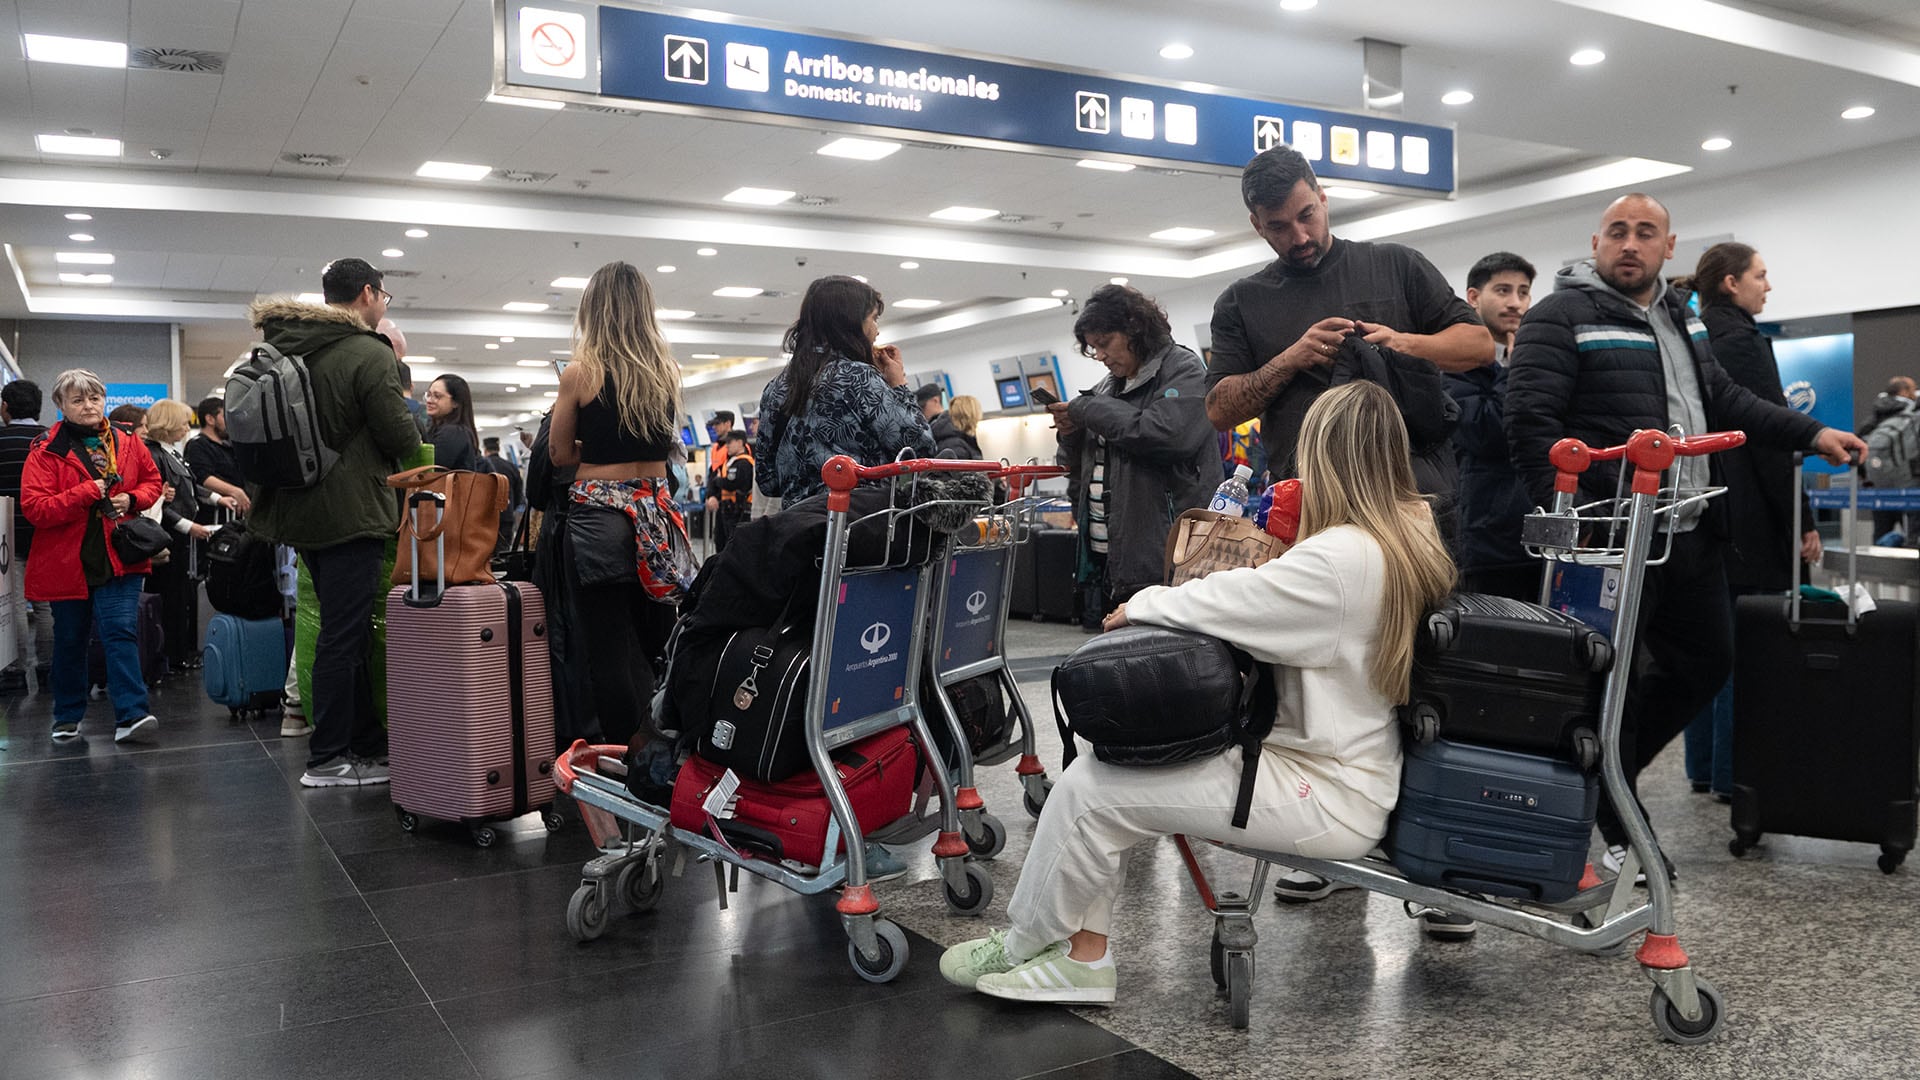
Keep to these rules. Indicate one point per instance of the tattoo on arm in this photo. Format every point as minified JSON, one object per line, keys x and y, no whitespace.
{"x":1240,"y":398}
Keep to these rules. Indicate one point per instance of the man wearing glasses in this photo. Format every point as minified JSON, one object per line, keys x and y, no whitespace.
{"x":340,"y":525}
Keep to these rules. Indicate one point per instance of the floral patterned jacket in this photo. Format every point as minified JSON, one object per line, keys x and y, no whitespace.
{"x":853,"y":412}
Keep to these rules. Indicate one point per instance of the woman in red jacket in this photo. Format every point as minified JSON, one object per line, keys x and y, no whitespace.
{"x":80,"y":478}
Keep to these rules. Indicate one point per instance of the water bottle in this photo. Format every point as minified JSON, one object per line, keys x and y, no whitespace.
{"x":1231,"y":497}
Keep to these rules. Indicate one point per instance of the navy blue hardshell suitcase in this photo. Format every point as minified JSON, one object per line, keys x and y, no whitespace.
{"x":1492,"y":821}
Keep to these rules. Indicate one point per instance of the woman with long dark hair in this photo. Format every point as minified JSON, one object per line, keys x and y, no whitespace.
{"x":840,"y":394}
{"x":450,"y":428}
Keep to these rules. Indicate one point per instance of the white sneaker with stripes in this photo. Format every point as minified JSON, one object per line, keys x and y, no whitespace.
{"x":1054,"y":977}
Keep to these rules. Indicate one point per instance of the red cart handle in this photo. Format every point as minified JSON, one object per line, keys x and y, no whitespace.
{"x":843,"y":474}
{"x":566,"y":772}
{"x":1652,"y":452}
{"x":1571,"y":457}
{"x":1019,"y":476}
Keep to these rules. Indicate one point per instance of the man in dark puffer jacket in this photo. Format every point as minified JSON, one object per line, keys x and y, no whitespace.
{"x":1611,"y":351}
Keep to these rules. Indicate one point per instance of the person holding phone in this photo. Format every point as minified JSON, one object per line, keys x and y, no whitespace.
{"x":1138,"y":447}
{"x":840,"y":394}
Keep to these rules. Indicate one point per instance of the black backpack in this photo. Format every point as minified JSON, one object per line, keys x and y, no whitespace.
{"x":240,"y":574}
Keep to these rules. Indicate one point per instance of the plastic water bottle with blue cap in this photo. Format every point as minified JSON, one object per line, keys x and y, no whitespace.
{"x":1231,"y":496}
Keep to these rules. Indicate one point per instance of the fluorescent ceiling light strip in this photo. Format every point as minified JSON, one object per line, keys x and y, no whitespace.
{"x":568,"y":283}
{"x":525,"y":103}
{"x":86,"y":52}
{"x":1737,"y":26}
{"x":915,"y":305}
{"x":755,"y":196}
{"x":964,"y":213}
{"x":83,"y":258}
{"x":859,"y":149}
{"x":1624,"y":173}
{"x":452,"y":170}
{"x":83,"y":145}
{"x":1104,"y":166}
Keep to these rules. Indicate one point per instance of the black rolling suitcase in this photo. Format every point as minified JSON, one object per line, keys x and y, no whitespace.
{"x":1826,"y":720}
{"x":1056,"y":564}
{"x":1500,"y":672}
{"x":151,"y":634}
{"x":1023,"y":597}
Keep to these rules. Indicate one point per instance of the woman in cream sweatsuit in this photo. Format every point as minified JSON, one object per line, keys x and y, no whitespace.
{"x":1336,"y":616}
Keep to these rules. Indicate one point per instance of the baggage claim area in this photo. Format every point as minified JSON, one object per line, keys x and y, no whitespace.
{"x":182,"y":906}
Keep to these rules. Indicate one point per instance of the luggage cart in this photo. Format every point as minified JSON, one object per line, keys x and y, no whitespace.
{"x":1616,"y":532}
{"x":858,"y":687}
{"x":969,"y":640}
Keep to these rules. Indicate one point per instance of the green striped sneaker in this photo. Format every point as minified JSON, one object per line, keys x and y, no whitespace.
{"x":963,"y":964}
{"x":1053,"y":977}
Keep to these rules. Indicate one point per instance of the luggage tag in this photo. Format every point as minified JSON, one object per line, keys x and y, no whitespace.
{"x":722,"y":797}
{"x":749,"y":687}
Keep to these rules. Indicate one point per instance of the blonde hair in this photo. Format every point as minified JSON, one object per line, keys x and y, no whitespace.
{"x":75,"y":379}
{"x":964,"y":411}
{"x":1355,"y":470}
{"x":615,"y":337}
{"x":168,"y":420}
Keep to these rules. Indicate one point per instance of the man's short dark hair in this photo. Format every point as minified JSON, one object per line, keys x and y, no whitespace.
{"x":209,"y":408}
{"x":929,"y":392}
{"x":1269,"y":179}
{"x":1125,"y":310}
{"x":22,"y":398}
{"x":737,"y":435}
{"x":1898,"y":386}
{"x":1500,"y":262}
{"x":722,"y":416}
{"x":343,"y":279}
{"x":491,"y":443}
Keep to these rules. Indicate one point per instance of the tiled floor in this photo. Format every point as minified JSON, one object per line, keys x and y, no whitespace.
{"x":184,"y":909}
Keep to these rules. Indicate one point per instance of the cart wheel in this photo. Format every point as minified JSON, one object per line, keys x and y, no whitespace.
{"x":1240,"y":988}
{"x":586,"y":913}
{"x":1678,"y":1029}
{"x":1033,"y":805}
{"x":1891,"y":860}
{"x":992,"y":840}
{"x":408,"y":822}
{"x":553,"y":820}
{"x":484,"y":836}
{"x":640,"y":884}
{"x":893,"y":954}
{"x":978,"y":893}
{"x":1217,"y":961}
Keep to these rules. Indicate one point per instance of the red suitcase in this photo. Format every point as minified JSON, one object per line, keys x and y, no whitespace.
{"x":787,"y":821}
{"x":469,"y":705}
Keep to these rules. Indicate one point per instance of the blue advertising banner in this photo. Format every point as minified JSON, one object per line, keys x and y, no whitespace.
{"x":716,"y":65}
{"x":1817,"y":374}
{"x":974,"y":594}
{"x":872,"y":635}
{"x":130,"y":393}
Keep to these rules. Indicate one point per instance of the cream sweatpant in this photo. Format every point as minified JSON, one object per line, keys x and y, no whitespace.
{"x":1097,"y":811}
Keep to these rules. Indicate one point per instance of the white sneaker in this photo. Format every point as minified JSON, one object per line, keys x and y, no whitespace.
{"x":145,"y":726}
{"x":294,"y":726}
{"x":1300,"y":887}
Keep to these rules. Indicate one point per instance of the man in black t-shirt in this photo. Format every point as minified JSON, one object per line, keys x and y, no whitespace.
{"x":211,"y":456}
{"x":1276,"y":332}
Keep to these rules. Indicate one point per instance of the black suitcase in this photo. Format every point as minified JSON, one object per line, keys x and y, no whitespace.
{"x":1500,"y":672}
{"x":1056,"y":563}
{"x":150,"y":633}
{"x":978,"y":704}
{"x":1023,"y":599}
{"x":756,"y":717}
{"x":1495,"y":822}
{"x":241,"y":578}
{"x":1825,"y":722}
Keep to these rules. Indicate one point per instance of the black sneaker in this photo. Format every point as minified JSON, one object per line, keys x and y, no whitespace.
{"x":133,"y":729}
{"x":1446,"y":926}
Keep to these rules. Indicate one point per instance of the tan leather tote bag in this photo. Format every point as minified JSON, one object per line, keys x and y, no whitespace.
{"x":461,"y":507}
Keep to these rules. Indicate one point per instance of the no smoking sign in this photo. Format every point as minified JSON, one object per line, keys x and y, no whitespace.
{"x":552,"y":43}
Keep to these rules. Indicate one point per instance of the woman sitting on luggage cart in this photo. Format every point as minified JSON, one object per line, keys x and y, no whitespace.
{"x":80,"y":478}
{"x":1336,"y":617}
{"x":628,"y":557}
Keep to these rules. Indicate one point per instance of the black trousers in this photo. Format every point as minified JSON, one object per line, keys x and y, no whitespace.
{"x":624,"y":634}
{"x":1684,"y":655}
{"x":179,"y":605}
{"x":347,"y":583}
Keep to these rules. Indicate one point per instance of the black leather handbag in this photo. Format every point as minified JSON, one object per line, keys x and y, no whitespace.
{"x":1151,"y":695}
{"x":137,"y":539}
{"x":756,"y":715}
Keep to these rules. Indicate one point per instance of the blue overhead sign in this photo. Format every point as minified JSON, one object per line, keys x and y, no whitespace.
{"x":715,"y":65}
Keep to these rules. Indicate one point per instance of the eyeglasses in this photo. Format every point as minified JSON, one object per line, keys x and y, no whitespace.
{"x":385,"y":295}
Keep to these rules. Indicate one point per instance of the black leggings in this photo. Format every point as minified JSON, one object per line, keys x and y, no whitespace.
{"x":624,"y":634}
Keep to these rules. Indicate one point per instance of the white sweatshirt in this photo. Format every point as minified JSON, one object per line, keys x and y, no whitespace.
{"x":1314,"y":613}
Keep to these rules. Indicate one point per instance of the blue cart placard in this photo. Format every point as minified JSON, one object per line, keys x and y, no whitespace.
{"x":872,"y":638}
{"x":973,"y":608}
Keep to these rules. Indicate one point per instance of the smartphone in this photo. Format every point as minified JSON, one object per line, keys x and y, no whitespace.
{"x":1043,"y":396}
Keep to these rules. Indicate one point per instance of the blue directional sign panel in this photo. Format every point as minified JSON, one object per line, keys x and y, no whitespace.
{"x":712,"y":65}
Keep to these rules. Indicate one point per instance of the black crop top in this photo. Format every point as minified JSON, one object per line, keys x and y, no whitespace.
{"x":604,"y":442}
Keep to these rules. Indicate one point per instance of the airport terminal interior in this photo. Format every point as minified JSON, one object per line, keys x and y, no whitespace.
{"x":182,"y":907}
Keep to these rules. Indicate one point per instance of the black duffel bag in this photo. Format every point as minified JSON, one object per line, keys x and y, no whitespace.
{"x":240,"y":574}
{"x":756,"y":713}
{"x":1151,"y":695}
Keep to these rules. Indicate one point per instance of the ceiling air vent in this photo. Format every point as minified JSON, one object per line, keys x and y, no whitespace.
{"x":816,"y":200}
{"x":314,"y":161}
{"x":604,"y":110}
{"x":934,"y":146}
{"x":400,"y":273}
{"x":196,"y":61}
{"x":521,"y":176}
{"x":1013,"y":219}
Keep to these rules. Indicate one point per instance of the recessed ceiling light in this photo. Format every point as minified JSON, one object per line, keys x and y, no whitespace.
{"x":87,"y":279}
{"x":916,"y":305}
{"x":1857,"y":112}
{"x":668,"y":313}
{"x":738,"y":292}
{"x":1351,"y":194}
{"x":665,"y":269}
{"x":77,"y":144}
{"x":80,"y":237}
{"x":1117,"y":281}
{"x":526,"y":386}
{"x":757,"y":196}
{"x":416,"y":234}
{"x":76,"y":216}
{"x":523,"y":305}
{"x":1457,"y":97}
{"x":530,"y":363}
{"x":1104,"y":166}
{"x":1718,"y":142}
{"x":568,"y":283}
{"x":706,"y":251}
{"x":83,"y":258}
{"x":452,"y":170}
{"x":511,"y":389}
{"x":1586,"y":57}
{"x":392,"y":253}
{"x":525,"y":103}
{"x":506,"y":341}
{"x":1181,"y":234}
{"x":909,"y":265}
{"x":705,"y":356}
{"x":963,"y":213}
{"x":312,"y":298}
{"x":84,"y":51}
{"x":1298,"y":5}
{"x":1176,"y":51}
{"x":859,"y":149}
{"x":491,"y":345}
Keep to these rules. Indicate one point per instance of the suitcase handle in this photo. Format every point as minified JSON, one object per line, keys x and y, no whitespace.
{"x":1794,"y":620}
{"x":413,"y":597}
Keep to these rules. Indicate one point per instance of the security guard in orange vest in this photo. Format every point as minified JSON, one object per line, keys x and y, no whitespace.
{"x":735,"y":486}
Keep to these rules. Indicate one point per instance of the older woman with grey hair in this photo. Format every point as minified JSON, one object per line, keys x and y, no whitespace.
{"x":81,"y":479}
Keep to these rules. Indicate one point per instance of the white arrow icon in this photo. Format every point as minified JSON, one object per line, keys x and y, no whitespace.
{"x":1091,"y":112}
{"x":686,"y":56}
{"x":1266,"y":133}
{"x":686,"y":59}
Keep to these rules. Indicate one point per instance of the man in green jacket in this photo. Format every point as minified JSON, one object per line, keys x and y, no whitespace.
{"x":341,"y":524}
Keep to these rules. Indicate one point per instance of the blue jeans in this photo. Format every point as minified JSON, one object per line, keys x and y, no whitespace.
{"x":1710,"y":743}
{"x":115,"y":606}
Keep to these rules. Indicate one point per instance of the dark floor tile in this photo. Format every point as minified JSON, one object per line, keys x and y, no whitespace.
{"x":446,"y":853}
{"x":149,"y":845}
{"x":33,"y":908}
{"x":1131,"y":1065}
{"x":92,"y":1027}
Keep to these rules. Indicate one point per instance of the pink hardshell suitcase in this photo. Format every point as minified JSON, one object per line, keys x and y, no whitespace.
{"x":469,"y":701}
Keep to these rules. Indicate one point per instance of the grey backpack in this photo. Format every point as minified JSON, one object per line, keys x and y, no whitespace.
{"x":1893,"y":451}
{"x":271,"y":420}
